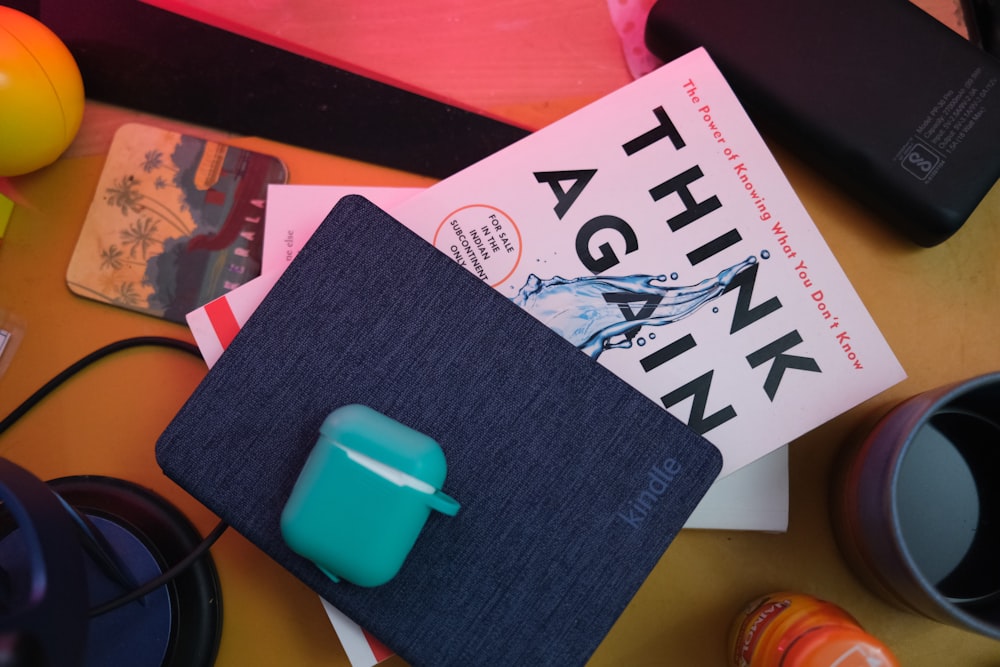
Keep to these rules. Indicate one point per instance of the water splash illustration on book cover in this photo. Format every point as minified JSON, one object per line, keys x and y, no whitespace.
{"x":176,"y":221}
{"x":603,"y":313}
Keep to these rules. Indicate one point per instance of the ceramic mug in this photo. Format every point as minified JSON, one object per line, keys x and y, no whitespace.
{"x":916,"y":506}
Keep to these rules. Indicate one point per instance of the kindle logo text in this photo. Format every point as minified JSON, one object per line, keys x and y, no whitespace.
{"x":658,"y":481}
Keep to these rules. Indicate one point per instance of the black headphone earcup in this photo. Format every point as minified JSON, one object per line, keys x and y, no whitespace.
{"x":43,"y":597}
{"x":176,"y":625}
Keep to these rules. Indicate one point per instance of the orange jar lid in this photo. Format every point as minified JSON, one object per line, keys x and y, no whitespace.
{"x":795,"y":630}
{"x":837,"y":647}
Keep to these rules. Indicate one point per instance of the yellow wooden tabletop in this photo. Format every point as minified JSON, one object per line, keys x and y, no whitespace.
{"x":531,"y":62}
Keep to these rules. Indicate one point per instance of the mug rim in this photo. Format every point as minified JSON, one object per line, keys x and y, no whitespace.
{"x":941,"y":399}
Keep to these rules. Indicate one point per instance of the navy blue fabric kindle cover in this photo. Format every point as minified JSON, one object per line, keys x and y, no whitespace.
{"x":572,"y":484}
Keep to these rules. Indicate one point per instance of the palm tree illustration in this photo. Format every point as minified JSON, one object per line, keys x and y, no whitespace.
{"x":140,"y":235}
{"x":127,"y":296}
{"x":153,"y":160}
{"x":124,"y":193}
{"x":113,"y":258}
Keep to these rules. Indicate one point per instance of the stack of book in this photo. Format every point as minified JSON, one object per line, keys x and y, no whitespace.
{"x":653,"y":230}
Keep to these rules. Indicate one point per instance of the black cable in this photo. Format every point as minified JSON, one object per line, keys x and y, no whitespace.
{"x":166,"y":576}
{"x":96,"y":355}
{"x":50,"y":386}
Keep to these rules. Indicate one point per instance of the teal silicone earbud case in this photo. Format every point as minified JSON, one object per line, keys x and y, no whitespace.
{"x":363,"y":496}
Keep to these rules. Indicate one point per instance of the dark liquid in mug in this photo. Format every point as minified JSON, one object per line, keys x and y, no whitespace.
{"x":946,"y":510}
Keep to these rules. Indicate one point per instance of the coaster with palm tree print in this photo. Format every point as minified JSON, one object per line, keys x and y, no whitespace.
{"x":176,"y":222}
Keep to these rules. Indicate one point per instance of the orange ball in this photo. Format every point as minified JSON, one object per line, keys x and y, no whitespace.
{"x":41,"y":94}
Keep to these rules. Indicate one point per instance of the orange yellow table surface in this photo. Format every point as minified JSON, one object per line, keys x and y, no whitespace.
{"x":531,"y":62}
